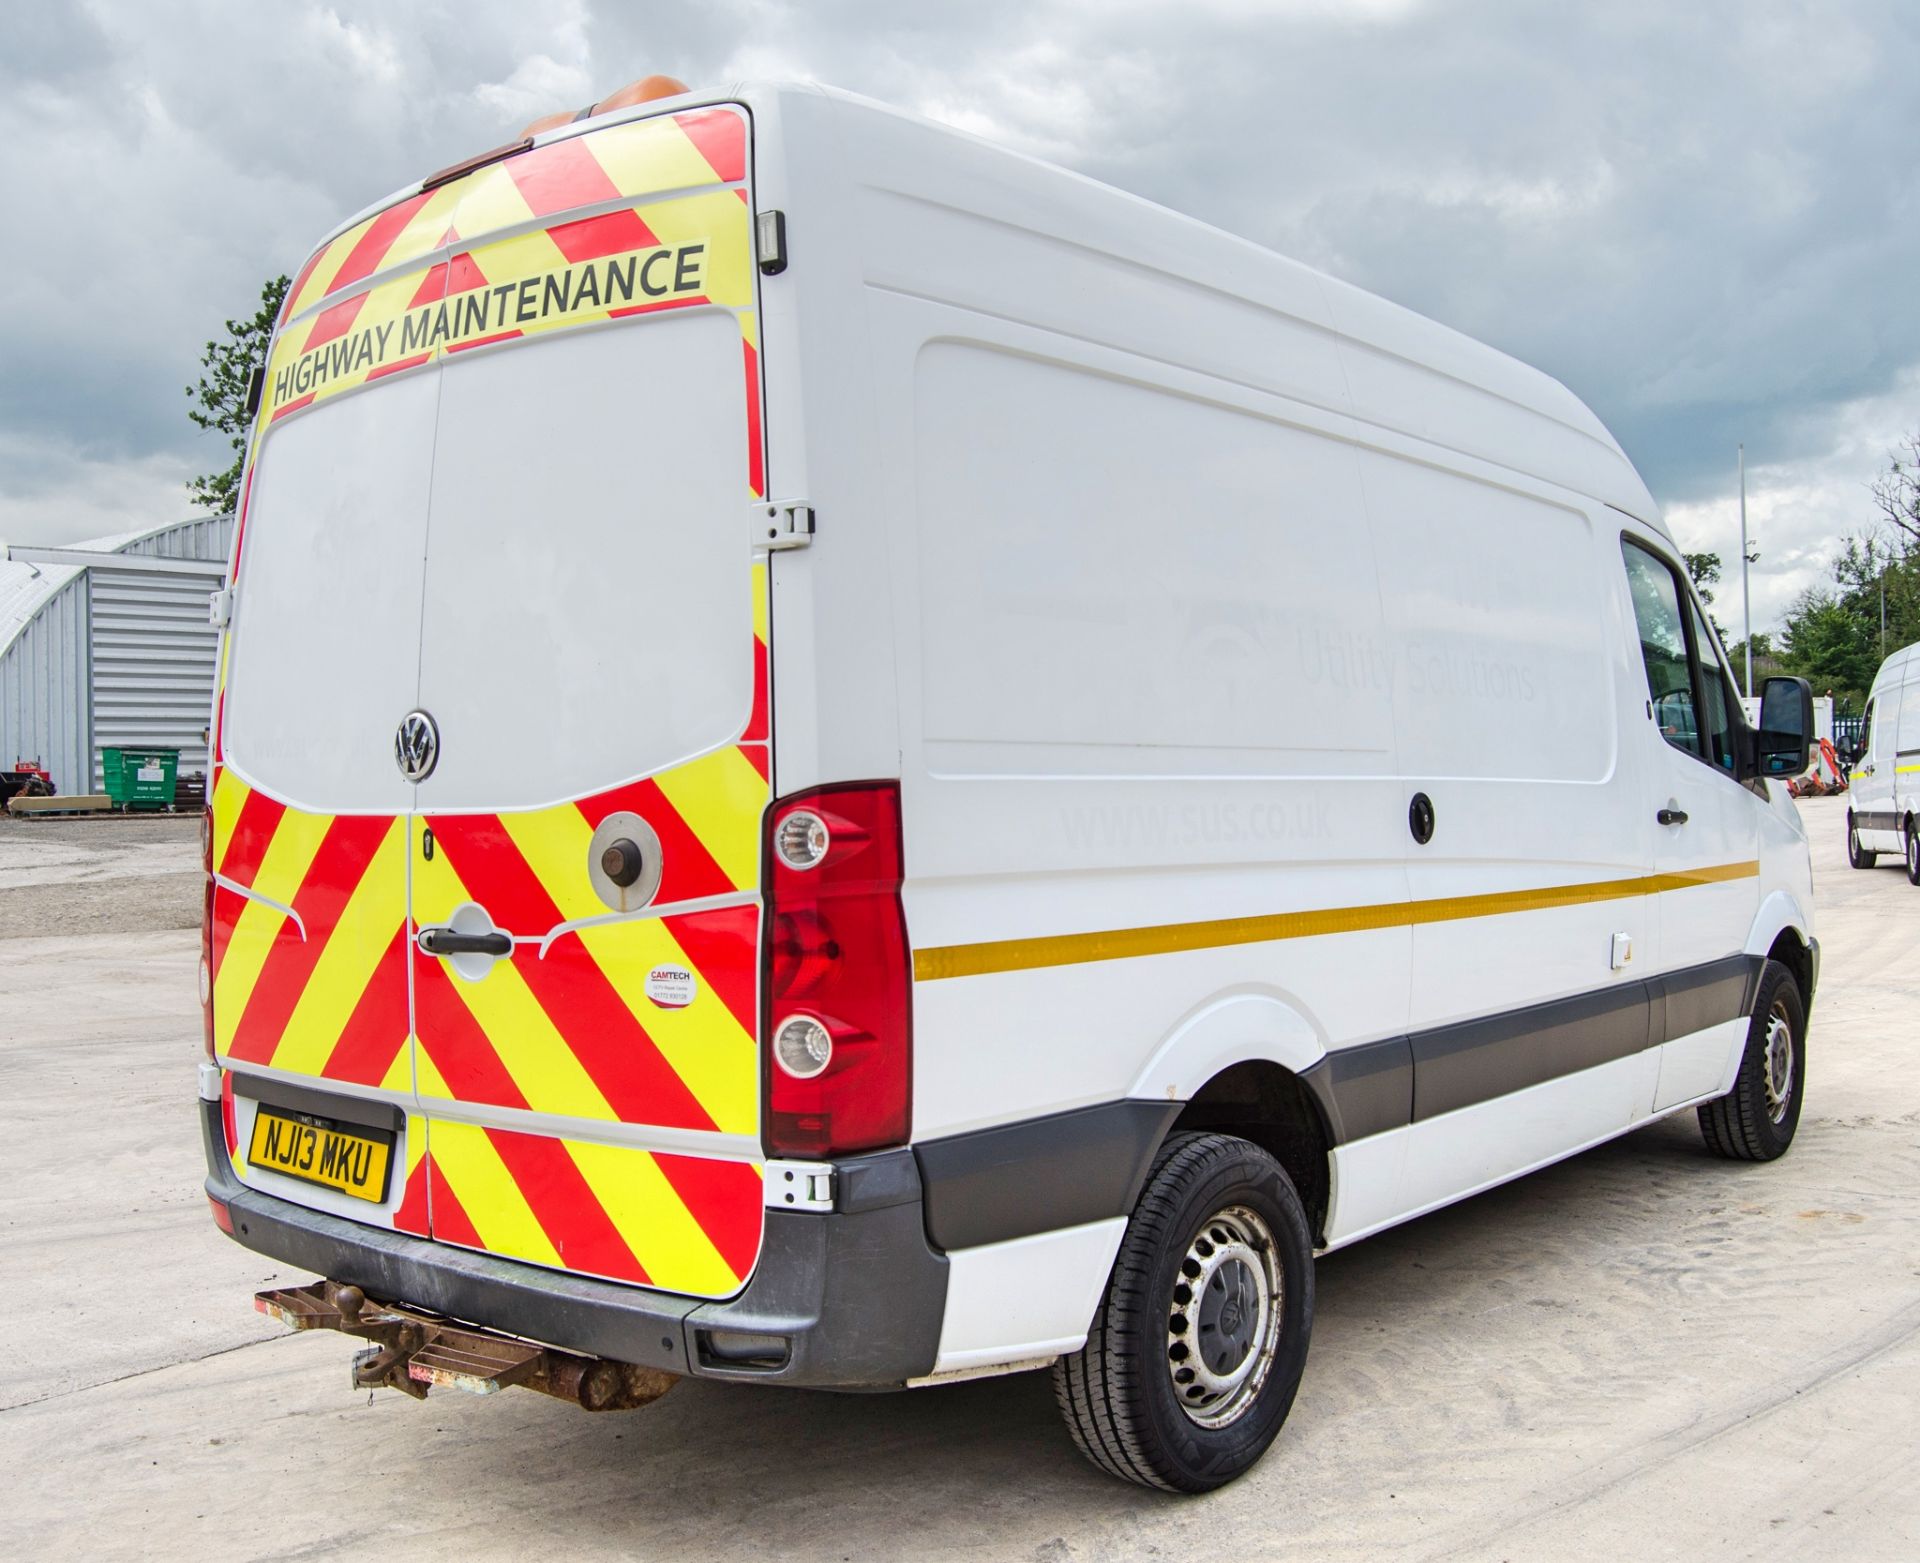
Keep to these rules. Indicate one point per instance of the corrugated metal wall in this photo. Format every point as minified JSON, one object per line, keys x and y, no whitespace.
{"x":122,"y":654}
{"x":153,"y":656}
{"x":43,"y":691}
{"x":209,"y":537}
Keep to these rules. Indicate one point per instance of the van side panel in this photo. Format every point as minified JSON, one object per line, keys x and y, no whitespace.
{"x":1511,"y":690}
{"x":1140,"y":696}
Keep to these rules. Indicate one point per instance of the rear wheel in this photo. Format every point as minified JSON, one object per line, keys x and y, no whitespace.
{"x":1913,"y":852}
{"x":1756,"y":1120}
{"x":1201,"y":1336}
{"x":1858,"y":855}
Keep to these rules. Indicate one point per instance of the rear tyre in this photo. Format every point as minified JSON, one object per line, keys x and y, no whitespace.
{"x":1858,"y":855}
{"x":1913,"y":852}
{"x":1756,"y":1120}
{"x":1201,"y":1335}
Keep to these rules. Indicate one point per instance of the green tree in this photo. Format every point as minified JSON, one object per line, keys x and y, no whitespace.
{"x":1829,"y":644}
{"x":1704,"y":571}
{"x":1896,"y":493}
{"x":1837,"y":636}
{"x":219,"y":399}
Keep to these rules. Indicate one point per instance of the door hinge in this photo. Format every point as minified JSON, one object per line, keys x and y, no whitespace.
{"x":770,"y":234}
{"x":782,"y":523}
{"x":799,"y":1185}
{"x":220,"y":608}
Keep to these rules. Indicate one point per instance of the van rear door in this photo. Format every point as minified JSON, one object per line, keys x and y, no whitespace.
{"x":592,"y":645}
{"x":510,"y":441}
{"x":588,"y":653}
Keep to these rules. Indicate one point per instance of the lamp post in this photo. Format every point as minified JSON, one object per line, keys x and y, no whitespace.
{"x":1746,"y":603}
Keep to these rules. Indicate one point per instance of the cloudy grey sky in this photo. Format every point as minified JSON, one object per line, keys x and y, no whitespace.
{"x":1703,"y":217}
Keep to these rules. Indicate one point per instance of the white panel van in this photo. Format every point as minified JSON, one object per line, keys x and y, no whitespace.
{"x":1883,"y":790}
{"x":848,"y":760}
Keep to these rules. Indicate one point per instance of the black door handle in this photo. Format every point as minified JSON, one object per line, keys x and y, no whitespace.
{"x":1672,"y":816}
{"x":444,"y":941}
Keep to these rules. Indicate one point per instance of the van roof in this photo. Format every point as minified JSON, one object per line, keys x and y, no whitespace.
{"x":1420,"y":377}
{"x":1899,"y":667}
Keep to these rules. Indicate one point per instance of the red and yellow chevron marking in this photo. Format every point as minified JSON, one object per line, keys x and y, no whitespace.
{"x":643,"y":158}
{"x":476,"y":262}
{"x":332,"y":1002}
{"x":689,"y":1224}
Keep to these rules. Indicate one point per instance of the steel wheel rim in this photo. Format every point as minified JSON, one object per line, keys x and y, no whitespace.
{"x":1223,"y":1320}
{"x":1777,"y":1077}
{"x":1913,"y":851}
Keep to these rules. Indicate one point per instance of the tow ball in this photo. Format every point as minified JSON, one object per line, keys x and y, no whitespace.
{"x":415,"y":1351}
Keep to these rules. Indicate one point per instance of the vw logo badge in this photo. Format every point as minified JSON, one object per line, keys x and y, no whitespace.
{"x":416,"y":746}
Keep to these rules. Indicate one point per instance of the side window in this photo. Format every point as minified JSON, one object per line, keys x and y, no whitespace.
{"x":1866,"y":732}
{"x":1886,"y":720}
{"x":1663,"y":646}
{"x":1716,"y":731}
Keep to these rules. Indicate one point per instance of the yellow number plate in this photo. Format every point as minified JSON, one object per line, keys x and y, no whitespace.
{"x":351,"y":1160}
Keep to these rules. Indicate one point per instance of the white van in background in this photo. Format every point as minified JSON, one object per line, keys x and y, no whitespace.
{"x":1883,"y":790}
{"x":845,"y":759}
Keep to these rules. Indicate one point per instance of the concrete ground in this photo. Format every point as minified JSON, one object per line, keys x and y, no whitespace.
{"x":1643,"y":1352}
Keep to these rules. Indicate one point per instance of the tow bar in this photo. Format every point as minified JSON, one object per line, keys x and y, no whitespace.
{"x":413,"y":1350}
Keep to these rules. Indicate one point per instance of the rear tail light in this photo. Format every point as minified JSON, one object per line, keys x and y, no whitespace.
{"x":206,"y":932}
{"x":838,"y":1010}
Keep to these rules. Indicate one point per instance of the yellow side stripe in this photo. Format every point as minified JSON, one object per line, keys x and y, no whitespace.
{"x":1070,"y":949}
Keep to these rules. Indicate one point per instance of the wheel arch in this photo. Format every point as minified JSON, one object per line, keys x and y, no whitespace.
{"x":1270,"y":1106}
{"x":1240,"y":1062}
{"x":1780,"y":934}
{"x":1229,"y":1029}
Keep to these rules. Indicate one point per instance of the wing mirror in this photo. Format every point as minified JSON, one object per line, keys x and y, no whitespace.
{"x":1783,"y":745}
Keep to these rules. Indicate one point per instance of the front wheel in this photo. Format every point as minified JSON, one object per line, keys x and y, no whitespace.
{"x":1858,"y":855}
{"x":1756,"y":1120}
{"x":1913,"y":852}
{"x":1201,"y":1336}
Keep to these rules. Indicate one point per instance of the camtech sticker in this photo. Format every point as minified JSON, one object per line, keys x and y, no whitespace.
{"x":671,"y":987}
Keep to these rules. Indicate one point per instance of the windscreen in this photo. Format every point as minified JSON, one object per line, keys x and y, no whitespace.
{"x":325,"y":648}
{"x":587,"y":611}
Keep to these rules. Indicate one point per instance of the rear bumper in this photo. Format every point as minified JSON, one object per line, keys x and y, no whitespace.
{"x":854,"y":1297}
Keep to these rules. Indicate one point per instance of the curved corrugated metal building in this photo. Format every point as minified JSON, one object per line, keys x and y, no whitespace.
{"x":107,"y":643}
